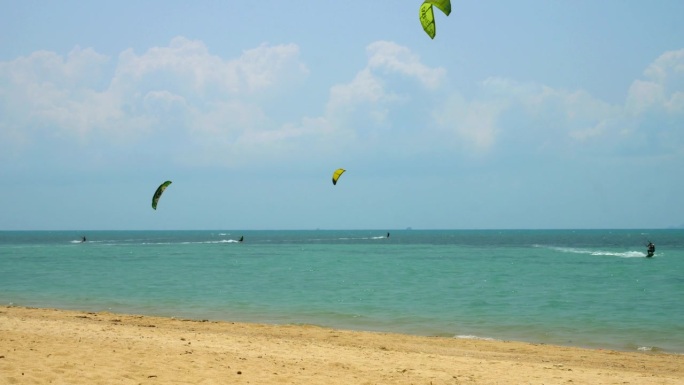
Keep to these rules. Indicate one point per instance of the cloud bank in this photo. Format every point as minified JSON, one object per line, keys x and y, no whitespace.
{"x":201,"y":109}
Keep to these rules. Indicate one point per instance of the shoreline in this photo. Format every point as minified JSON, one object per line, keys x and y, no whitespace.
{"x":291,"y":321}
{"x":39,"y":345}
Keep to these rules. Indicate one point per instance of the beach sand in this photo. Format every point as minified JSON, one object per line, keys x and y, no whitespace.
{"x":43,"y":346}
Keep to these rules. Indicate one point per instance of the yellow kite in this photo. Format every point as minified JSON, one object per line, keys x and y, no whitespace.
{"x":336,"y":174}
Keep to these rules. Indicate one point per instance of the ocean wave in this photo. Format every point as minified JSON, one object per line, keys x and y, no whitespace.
{"x":210,"y":242}
{"x":647,"y":348}
{"x":473,"y":337}
{"x":626,"y":254}
{"x":620,"y":254}
{"x":363,"y":238}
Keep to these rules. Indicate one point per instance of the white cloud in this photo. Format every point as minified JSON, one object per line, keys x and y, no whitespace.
{"x":511,"y":116}
{"x":53,"y":94}
{"x":663,"y":87}
{"x":468,"y":125}
{"x":391,"y":57}
{"x":188,"y":63}
{"x":78,"y":69}
{"x":645,"y":95}
{"x":655,"y":105}
{"x":667,"y":68}
{"x":220,"y":107}
{"x":365,"y":91}
{"x":73,"y":95}
{"x":386,"y":86}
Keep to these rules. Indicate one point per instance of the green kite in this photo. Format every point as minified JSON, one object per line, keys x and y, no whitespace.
{"x":427,"y":16}
{"x":158,"y":193}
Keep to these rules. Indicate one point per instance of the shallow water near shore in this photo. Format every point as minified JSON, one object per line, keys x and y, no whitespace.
{"x":590,"y":288}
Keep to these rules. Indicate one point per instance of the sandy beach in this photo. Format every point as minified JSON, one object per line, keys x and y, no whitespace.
{"x":43,"y":346}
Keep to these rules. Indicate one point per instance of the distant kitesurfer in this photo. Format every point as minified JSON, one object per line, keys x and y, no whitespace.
{"x":242,"y":238}
{"x":83,"y":239}
{"x":387,"y":235}
{"x":651,"y":249}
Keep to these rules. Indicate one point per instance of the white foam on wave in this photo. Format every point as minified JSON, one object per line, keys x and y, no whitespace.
{"x":473,"y":337}
{"x":210,"y":242}
{"x":620,"y":254}
{"x":626,"y":254}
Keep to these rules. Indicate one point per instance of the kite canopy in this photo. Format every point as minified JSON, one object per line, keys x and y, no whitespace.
{"x":158,"y":193}
{"x":336,"y":175}
{"x":427,"y":16}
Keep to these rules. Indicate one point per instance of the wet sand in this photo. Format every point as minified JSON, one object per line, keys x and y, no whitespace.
{"x":42,"y":346}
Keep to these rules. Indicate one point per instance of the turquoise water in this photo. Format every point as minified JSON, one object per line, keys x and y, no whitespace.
{"x":590,"y":288}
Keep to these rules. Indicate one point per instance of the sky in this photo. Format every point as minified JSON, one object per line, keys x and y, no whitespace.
{"x":529,"y":114}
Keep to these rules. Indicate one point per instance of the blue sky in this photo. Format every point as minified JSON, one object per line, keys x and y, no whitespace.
{"x":529,"y":114}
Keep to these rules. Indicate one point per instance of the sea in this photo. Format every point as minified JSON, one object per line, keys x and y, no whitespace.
{"x":585,"y":288}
